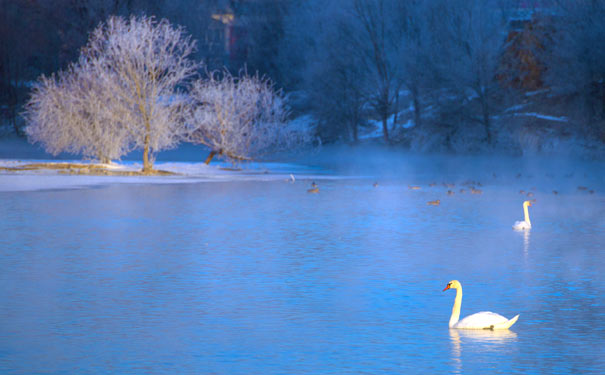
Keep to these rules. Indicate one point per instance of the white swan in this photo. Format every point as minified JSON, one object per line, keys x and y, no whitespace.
{"x":525,"y":224}
{"x":480,"y":320}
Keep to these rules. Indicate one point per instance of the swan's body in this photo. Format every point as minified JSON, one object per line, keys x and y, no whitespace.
{"x":480,"y":320}
{"x":525,"y":224}
{"x":485,"y":320}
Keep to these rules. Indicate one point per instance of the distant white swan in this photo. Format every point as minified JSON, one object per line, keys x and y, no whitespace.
{"x":480,"y":320}
{"x":525,"y":224}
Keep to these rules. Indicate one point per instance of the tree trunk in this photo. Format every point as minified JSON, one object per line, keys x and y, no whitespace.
{"x":416,"y":103}
{"x":210,"y":156}
{"x":486,"y":120}
{"x":384,"y":106}
{"x":602,"y":132}
{"x":602,"y":95}
{"x":13,"y":120}
{"x":103,"y":159}
{"x":147,"y":165}
{"x":13,"y":101}
{"x":396,"y":110}
{"x":385,"y":129}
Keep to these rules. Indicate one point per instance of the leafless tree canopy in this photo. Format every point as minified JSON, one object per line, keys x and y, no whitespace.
{"x":142,"y":62}
{"x":123,"y":93}
{"x":69,"y":112}
{"x":240,"y":118}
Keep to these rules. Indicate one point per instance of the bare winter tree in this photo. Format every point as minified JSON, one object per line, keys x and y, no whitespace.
{"x":337,"y":82}
{"x":414,"y":52}
{"x":122,"y":93}
{"x":379,"y":41}
{"x":101,"y":134}
{"x":468,"y":40}
{"x":576,"y":58}
{"x":68,"y":113}
{"x":353,"y":69}
{"x":142,"y":63}
{"x":48,"y":108}
{"x":239,"y":118}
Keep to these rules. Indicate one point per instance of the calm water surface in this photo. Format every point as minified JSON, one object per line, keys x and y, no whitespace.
{"x":263,"y":278}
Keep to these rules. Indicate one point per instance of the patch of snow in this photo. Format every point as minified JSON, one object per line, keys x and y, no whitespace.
{"x":47,"y":179}
{"x":113,"y":166}
{"x":409,"y":109}
{"x":532,"y":93}
{"x":409,"y":124}
{"x":515,"y":107}
{"x":376,"y":125}
{"x":376,"y":129}
{"x":543,"y":117}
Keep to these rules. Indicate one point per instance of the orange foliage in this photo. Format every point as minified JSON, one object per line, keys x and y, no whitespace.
{"x":521,"y":67}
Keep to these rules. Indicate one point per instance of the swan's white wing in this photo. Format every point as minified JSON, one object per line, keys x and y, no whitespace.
{"x":481,"y":320}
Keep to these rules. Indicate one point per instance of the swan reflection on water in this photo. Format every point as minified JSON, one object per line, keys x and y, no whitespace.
{"x":482,"y":336}
{"x":488,"y":339}
{"x":526,"y":242}
{"x":526,"y":236}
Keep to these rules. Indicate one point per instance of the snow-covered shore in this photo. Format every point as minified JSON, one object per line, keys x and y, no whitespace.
{"x":19,"y":179}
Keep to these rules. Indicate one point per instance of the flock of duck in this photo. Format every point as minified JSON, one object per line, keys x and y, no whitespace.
{"x":485,"y":320}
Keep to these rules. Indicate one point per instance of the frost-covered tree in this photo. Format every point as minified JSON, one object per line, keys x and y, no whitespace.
{"x":239,"y":118}
{"x":102,"y":134}
{"x":47,"y":111}
{"x":121,"y":94}
{"x":67,"y":112}
{"x":141,"y":63}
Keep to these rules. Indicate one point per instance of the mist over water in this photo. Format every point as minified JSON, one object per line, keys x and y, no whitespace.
{"x":261,"y":277}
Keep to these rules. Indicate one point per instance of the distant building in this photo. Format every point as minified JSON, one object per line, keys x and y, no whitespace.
{"x":235,"y":25}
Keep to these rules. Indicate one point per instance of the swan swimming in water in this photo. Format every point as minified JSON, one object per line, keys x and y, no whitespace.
{"x":480,"y":320}
{"x":525,"y":224}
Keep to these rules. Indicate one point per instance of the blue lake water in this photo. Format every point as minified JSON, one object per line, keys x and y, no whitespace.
{"x":260,"y":277}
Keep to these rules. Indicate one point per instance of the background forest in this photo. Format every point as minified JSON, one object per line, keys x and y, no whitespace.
{"x":427,"y":75}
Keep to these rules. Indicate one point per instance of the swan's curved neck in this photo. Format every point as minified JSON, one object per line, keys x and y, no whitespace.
{"x":526,"y":212}
{"x":456,"y":310}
